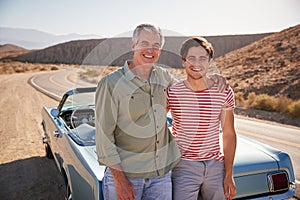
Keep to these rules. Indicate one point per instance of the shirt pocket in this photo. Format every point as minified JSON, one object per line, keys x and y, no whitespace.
{"x":160,"y":95}
{"x":138,"y":104}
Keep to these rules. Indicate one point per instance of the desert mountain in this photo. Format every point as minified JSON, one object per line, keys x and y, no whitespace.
{"x":270,"y":65}
{"x":11,"y":50}
{"x":114,"y":51}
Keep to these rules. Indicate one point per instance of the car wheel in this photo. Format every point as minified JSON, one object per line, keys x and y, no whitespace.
{"x":48,"y":151}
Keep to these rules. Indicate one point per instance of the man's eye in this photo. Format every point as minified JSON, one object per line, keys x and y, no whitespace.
{"x":191,"y":59}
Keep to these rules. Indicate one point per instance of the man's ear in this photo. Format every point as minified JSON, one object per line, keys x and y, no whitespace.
{"x":133,"y":45}
{"x":183,"y":61}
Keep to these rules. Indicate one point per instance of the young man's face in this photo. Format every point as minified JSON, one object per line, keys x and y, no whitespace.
{"x":197,"y":62}
{"x":147,"y":49}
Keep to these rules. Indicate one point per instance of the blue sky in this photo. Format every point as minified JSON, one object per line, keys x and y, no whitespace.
{"x":109,"y":18}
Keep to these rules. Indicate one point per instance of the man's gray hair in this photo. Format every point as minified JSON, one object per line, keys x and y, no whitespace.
{"x":150,"y":28}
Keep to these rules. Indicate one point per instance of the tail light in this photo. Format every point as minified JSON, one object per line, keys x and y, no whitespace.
{"x":278,"y":181}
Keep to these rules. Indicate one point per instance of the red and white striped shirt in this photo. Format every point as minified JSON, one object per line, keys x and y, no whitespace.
{"x":196,"y":120}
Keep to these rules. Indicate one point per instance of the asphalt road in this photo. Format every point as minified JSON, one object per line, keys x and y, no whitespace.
{"x":284,"y":138}
{"x":56,"y":83}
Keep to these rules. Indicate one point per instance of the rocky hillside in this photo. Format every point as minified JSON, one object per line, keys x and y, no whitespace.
{"x":270,"y":65}
{"x":114,"y":51}
{"x":68,"y":53}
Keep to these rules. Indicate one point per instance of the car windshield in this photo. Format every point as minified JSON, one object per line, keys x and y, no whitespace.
{"x":83,"y":97}
{"x":77,"y":110}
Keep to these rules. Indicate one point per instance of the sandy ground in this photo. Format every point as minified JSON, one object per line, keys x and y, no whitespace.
{"x":25,"y":172}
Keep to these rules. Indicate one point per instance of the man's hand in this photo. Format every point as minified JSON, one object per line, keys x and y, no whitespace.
{"x":218,"y":79}
{"x":124,"y":188}
{"x":229,"y":187}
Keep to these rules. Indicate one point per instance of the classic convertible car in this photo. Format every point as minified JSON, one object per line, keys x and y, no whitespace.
{"x":260,"y":171}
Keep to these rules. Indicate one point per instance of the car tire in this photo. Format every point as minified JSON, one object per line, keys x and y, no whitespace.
{"x":48,"y":151}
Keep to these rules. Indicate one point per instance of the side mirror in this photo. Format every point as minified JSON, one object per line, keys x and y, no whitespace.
{"x":54,"y":112}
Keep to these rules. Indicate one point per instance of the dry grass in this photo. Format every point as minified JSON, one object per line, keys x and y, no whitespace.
{"x":11,"y":67}
{"x":280,"y":104}
{"x":264,"y":102}
{"x":294,"y":109}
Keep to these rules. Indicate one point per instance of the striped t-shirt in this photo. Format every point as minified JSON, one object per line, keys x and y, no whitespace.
{"x":196,"y":120}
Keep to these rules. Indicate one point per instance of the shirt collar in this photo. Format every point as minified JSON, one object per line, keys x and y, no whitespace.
{"x":128,"y":73}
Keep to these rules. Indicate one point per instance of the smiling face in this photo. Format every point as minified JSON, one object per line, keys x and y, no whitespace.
{"x":147,"y":48}
{"x":196,"y":62}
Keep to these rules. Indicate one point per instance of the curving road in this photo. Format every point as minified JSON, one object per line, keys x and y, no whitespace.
{"x":56,"y":83}
{"x":285,"y":138}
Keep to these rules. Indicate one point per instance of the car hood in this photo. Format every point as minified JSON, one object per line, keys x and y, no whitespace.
{"x":254,"y":157}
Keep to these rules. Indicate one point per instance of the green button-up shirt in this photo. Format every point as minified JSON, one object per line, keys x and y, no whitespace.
{"x":131,"y":127}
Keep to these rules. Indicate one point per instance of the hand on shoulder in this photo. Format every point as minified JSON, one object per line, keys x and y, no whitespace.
{"x":219,"y":80}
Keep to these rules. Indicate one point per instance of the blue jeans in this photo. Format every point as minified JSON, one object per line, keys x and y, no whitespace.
{"x":157,"y":188}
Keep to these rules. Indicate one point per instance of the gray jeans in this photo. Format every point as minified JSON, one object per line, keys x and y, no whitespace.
{"x":193,"y":178}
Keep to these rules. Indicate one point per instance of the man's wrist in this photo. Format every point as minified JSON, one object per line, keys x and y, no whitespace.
{"x":117,"y":173}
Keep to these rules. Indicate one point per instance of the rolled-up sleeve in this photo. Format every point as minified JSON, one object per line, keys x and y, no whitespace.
{"x":105,"y":122}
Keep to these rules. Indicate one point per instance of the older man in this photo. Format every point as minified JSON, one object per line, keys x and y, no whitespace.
{"x":132,"y":137}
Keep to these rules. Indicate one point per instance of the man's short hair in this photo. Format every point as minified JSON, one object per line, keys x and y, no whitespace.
{"x":195,"y":42}
{"x":150,"y":28}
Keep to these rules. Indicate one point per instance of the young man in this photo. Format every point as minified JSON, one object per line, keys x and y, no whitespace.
{"x":132,"y":137}
{"x":199,"y":110}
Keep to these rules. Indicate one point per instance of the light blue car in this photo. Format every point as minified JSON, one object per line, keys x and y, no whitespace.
{"x":260,"y":171}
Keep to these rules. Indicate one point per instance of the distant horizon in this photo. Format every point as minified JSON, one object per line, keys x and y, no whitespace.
{"x":166,"y":34}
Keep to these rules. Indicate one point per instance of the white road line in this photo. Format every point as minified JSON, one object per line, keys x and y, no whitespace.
{"x":54,"y":96}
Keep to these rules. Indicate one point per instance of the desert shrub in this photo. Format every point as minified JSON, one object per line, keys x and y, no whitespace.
{"x":294,"y":109}
{"x":264,"y":102}
{"x":250,"y":99}
{"x":239,"y":99}
{"x":54,"y":68}
{"x":283,"y":103}
{"x":20,"y":70}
